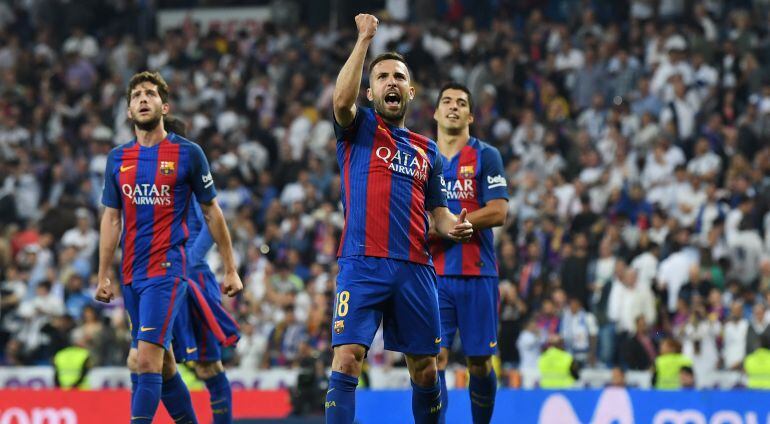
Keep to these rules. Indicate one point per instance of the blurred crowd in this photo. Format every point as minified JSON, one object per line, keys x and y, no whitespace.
{"x":634,"y":136}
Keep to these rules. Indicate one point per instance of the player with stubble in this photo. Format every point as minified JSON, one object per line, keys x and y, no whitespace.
{"x":391,"y":183}
{"x":149,"y":183}
{"x":467,"y":273}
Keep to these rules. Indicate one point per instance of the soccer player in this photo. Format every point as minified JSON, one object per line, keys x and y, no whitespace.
{"x":467,"y":273}
{"x":203,"y":325}
{"x":391,"y":178}
{"x":147,"y":190}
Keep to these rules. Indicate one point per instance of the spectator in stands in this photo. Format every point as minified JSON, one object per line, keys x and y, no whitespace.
{"x":648,"y":99}
{"x":687,"y":378}
{"x":558,"y":369}
{"x":284,"y":341}
{"x":628,"y":300}
{"x":734,"y":337}
{"x":75,"y":296}
{"x":669,"y":364}
{"x":578,"y":329}
{"x":83,"y":236}
{"x":697,"y":285}
{"x":618,"y":378}
{"x":529,"y":342}
{"x":574,"y":272}
{"x":758,"y":326}
{"x":699,"y":337}
{"x":639,"y":352}
{"x":513,"y":310}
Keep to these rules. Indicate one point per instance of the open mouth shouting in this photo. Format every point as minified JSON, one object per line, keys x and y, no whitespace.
{"x":392,"y":100}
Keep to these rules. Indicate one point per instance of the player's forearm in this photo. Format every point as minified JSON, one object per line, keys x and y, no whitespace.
{"x":444,"y":221}
{"x":218,"y":228}
{"x":491,"y":215}
{"x":349,"y":78}
{"x":109,"y":236}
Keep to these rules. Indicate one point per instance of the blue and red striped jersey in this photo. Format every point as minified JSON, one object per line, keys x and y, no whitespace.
{"x":390,"y":177}
{"x":473,"y":177}
{"x":152,"y":186}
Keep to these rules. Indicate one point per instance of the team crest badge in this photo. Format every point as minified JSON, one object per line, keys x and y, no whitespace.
{"x":467,"y":171}
{"x":339,"y":326}
{"x":167,"y":167}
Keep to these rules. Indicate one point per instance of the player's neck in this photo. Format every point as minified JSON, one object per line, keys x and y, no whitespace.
{"x":399,"y":123}
{"x":450,"y":144}
{"x":152,"y":137}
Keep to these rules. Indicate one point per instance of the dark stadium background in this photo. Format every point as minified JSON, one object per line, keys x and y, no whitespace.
{"x":634,"y":135}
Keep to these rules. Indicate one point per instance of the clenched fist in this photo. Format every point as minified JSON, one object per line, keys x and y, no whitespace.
{"x":367,"y":25}
{"x":104,"y":291}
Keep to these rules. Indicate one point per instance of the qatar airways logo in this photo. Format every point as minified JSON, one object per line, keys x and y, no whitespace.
{"x":415,"y":166}
{"x":148,"y":194}
{"x":463,"y":189}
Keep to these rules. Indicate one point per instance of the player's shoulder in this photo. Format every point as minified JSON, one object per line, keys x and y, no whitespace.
{"x":485,"y":149}
{"x":120,"y":148}
{"x":482,"y":145}
{"x":428,"y":142}
{"x":185,"y":143}
{"x":175,"y":138}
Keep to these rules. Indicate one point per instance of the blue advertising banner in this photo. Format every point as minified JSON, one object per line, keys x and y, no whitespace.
{"x":608,"y":406}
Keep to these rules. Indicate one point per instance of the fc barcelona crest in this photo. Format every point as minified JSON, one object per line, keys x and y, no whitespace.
{"x":167,"y":167}
{"x":467,"y":171}
{"x":339,"y":326}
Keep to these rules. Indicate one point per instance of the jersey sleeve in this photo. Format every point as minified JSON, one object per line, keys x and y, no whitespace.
{"x":110,"y":192}
{"x":435,"y":193}
{"x":200,"y":175}
{"x":363,"y":117}
{"x":493,"y":182}
{"x":203,"y":241}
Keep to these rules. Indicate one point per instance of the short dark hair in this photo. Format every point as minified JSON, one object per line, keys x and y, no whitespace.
{"x":152,"y":77}
{"x":175,"y":125}
{"x":389,"y":56}
{"x":454,"y":85}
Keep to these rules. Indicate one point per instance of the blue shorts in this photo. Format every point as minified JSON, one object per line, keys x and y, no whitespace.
{"x":469,"y":304}
{"x":403,"y":294}
{"x":152,"y":307}
{"x":203,"y":325}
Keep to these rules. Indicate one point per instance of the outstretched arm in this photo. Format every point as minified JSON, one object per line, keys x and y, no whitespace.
{"x":349,"y":78}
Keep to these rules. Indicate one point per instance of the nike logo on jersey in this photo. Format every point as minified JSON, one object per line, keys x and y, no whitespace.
{"x":126,"y":168}
{"x":143,"y":328}
{"x":493,"y":344}
{"x":437,"y":341}
{"x":191,"y":349}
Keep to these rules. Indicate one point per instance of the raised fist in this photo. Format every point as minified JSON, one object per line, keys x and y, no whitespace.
{"x":367,"y":25}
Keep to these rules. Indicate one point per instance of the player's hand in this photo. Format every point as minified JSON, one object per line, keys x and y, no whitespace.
{"x":463,"y":229}
{"x":367,"y":25}
{"x":104,"y":291}
{"x":232,"y":285}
